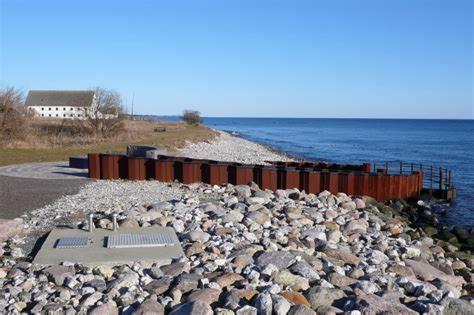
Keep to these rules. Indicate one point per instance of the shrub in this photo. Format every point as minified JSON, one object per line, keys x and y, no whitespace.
{"x":192,"y":117}
{"x":12,"y":115}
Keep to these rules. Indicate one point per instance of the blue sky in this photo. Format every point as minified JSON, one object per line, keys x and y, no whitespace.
{"x":390,"y":59}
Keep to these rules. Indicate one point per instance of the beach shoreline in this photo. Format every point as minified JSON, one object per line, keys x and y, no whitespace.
{"x":285,"y":249}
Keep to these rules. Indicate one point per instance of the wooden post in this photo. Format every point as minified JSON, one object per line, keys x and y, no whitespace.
{"x":401,"y":167}
{"x":440,"y":178}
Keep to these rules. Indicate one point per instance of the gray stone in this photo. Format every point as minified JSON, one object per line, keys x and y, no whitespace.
{"x":373,"y":304}
{"x":280,"y":259}
{"x":243,"y":191}
{"x":304,"y":269}
{"x":301,"y":310}
{"x":264,"y":304}
{"x":59,"y":273}
{"x":150,"y":307}
{"x":199,"y":236}
{"x":192,"y":308}
{"x":281,"y":306}
{"x":457,"y":307}
{"x":247,"y":310}
{"x":322,"y":296}
{"x":105,"y":309}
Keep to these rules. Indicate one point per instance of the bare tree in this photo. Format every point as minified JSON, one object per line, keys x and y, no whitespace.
{"x":12,"y":115}
{"x":106,"y":115}
{"x":192,"y":117}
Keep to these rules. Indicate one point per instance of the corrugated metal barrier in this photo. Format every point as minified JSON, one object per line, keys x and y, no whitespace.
{"x":308,"y":176}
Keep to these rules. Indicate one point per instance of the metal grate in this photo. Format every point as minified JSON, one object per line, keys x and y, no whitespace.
{"x":165,"y":238}
{"x":72,"y":242}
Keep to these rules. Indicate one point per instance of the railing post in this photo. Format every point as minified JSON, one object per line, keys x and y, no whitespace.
{"x":431,"y":177}
{"x":401,"y":167}
{"x":440,"y":178}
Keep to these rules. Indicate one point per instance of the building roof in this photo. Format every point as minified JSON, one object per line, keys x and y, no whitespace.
{"x":60,"y":98}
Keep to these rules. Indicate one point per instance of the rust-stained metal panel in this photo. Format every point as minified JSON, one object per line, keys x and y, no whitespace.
{"x":164,"y":170}
{"x":292,"y":178}
{"x":269,"y":178}
{"x":191,"y":171}
{"x":94,"y":165}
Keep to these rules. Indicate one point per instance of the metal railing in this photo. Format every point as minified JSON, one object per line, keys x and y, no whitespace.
{"x":435,"y":176}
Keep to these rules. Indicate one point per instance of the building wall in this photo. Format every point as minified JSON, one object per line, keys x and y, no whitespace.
{"x":60,"y":112}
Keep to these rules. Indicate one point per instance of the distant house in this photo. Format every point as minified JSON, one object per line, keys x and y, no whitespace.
{"x":62,"y":104}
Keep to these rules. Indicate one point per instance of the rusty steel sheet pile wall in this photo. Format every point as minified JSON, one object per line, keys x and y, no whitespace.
{"x":307,"y":176}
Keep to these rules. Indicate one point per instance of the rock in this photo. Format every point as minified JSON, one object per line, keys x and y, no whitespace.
{"x":321,"y":296}
{"x":155,"y":272}
{"x":264,"y":304}
{"x":280,"y":259}
{"x":105,"y":309}
{"x":159,"y":286}
{"x":401,"y":270}
{"x":305,"y":270}
{"x":105,"y":271}
{"x":192,"y":308}
{"x":334,"y":236}
{"x":175,"y":269}
{"x":199,"y":236}
{"x":457,"y":307}
{"x":247,"y":310}
{"x":281,"y":306}
{"x":206,"y":295}
{"x":228,"y":279}
{"x":341,"y":281}
{"x":9,"y":228}
{"x":129,"y":223}
{"x":349,"y":205}
{"x":356,"y":226}
{"x":150,"y":307}
{"x":258,"y":217}
{"x":186,"y":282}
{"x":243,"y":191}
{"x":233,"y":216}
{"x":428,"y":273}
{"x":360,"y":204}
{"x":296,"y":283}
{"x":92,"y":299}
{"x":59,"y":273}
{"x":296,"y":298}
{"x":301,"y":310}
{"x":373,"y":304}
{"x":341,"y":257}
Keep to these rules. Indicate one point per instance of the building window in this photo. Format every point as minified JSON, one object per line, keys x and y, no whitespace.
{"x":72,"y":115}
{"x":64,"y":115}
{"x":57,"y":108}
{"x":56,"y":115}
{"x":42,"y":108}
{"x":72,"y":108}
{"x":42,"y":115}
{"x":49,"y":115}
{"x":49,"y":109}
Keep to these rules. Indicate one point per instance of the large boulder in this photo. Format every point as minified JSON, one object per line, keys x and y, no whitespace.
{"x":373,"y":304}
{"x":427,"y":272}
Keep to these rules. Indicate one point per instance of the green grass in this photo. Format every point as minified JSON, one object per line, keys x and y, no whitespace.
{"x":171,"y":139}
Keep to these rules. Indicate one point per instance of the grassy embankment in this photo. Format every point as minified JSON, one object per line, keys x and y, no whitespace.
{"x":51,"y":141}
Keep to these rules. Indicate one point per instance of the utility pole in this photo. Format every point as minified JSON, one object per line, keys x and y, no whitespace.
{"x":133,"y":98}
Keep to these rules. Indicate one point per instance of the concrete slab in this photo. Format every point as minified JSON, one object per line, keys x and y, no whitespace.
{"x":97,"y":252}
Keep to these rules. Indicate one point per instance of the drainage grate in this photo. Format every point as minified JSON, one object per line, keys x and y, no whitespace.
{"x":166,"y":238}
{"x":72,"y":242}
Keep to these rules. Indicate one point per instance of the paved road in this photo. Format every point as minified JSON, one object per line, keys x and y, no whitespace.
{"x":25,"y":187}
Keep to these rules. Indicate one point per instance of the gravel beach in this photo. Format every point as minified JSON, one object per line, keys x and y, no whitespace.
{"x":247,"y":251}
{"x":230,"y":148}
